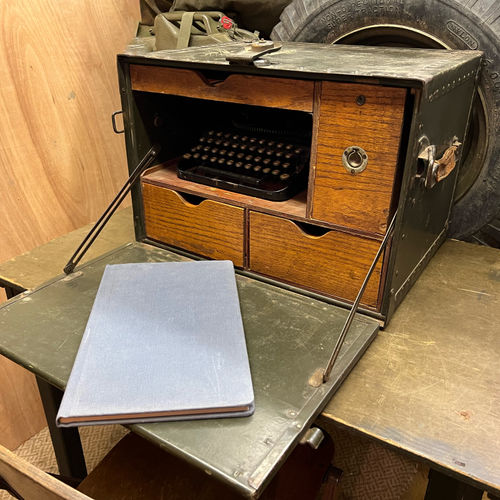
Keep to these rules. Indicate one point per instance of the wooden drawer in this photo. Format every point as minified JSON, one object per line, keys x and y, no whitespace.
{"x":243,"y":89}
{"x":334,"y":263}
{"x":210,"y":228}
{"x":360,"y":201}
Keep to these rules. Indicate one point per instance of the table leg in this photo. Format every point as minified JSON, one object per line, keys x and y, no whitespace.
{"x":66,"y":442}
{"x":10,"y":292}
{"x":443,"y":487}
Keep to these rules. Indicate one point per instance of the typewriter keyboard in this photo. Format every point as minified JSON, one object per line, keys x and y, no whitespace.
{"x":266,"y":166}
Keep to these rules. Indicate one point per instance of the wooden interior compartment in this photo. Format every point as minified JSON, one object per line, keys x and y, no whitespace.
{"x":244,"y":89}
{"x":165,"y":175}
{"x":370,"y":117}
{"x":334,"y":263}
{"x":210,"y":228}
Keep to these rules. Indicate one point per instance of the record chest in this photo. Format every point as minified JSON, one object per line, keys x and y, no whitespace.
{"x":384,"y":130}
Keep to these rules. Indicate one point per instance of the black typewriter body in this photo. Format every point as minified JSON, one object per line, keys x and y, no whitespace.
{"x":272,"y":168}
{"x":264,"y":154}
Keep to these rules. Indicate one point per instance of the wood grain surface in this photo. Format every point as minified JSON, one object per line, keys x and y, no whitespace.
{"x":243,"y":89}
{"x":60,"y":162}
{"x":21,"y":411}
{"x":167,"y":176}
{"x":335,"y":263}
{"x":31,"y":482}
{"x":359,"y":201}
{"x":211,"y":229}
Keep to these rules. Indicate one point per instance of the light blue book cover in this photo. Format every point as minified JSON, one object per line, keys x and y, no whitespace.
{"x":164,"y":341}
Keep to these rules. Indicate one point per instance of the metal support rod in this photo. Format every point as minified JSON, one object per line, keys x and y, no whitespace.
{"x":99,"y":225}
{"x":354,"y":308}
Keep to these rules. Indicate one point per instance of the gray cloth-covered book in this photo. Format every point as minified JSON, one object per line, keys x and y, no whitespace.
{"x":164,"y":341}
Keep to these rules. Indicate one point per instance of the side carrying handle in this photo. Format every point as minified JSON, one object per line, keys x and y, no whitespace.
{"x":354,"y":308}
{"x":113,"y":122}
{"x":445,"y":165}
{"x":435,"y":171}
{"x":99,"y":225}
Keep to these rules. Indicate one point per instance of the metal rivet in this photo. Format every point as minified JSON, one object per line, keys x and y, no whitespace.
{"x":360,"y":100}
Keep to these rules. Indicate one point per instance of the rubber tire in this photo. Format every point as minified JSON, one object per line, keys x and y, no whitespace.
{"x":460,"y":24}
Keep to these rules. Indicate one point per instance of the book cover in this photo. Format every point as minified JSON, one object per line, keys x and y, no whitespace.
{"x":163,"y":341}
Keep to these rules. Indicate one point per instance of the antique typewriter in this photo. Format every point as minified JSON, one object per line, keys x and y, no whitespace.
{"x":266,"y":162}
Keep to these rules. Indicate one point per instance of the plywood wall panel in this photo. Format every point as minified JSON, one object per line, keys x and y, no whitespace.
{"x":60,"y":161}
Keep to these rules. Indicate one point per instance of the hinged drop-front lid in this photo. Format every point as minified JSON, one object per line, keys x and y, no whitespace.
{"x":289,"y":337}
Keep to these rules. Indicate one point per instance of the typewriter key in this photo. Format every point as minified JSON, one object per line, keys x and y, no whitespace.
{"x":206,"y":148}
{"x":285,"y":166}
{"x":279,"y":145}
{"x":221,"y":161}
{"x":266,"y":170}
{"x":297,"y":151}
{"x":276,"y":163}
{"x":223,"y":151}
{"x":288,"y":156}
{"x":275,"y":172}
{"x":267,"y":161}
{"x":257,"y":168}
{"x":186,"y":156}
{"x":260,"y":150}
{"x":235,"y":145}
{"x":211,"y":132}
{"x":203,"y":139}
{"x":262,"y":142}
{"x":214,"y":150}
{"x":196,"y":156}
{"x":253,"y":140}
{"x":244,"y":138}
{"x":257,"y":159}
{"x":284,"y":177}
{"x":213,"y":159}
{"x":271,"y":143}
{"x":243,"y":147}
{"x":238,"y":164}
{"x":288,"y":147}
{"x":230,"y":154}
{"x":279,"y":154}
{"x":269,"y":152}
{"x":248,"y":166}
{"x":240,"y":156}
{"x":248,"y":157}
{"x":219,"y":134}
{"x":204,"y":158}
{"x":236,"y":137}
{"x":218,"y":142}
{"x":226,"y":144}
{"x":230,"y":163}
{"x":227,"y":135}
{"x":252,"y":148}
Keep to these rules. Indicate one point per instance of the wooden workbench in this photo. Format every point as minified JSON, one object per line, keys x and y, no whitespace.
{"x":429,"y":383}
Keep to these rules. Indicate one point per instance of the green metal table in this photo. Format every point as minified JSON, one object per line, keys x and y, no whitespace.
{"x":429,"y":383}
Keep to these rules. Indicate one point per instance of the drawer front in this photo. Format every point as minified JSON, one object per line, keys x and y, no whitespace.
{"x":243,"y":89}
{"x":211,"y":229}
{"x":370,"y":117}
{"x":334,"y":263}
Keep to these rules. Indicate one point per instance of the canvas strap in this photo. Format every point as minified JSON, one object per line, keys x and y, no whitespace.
{"x":185,"y":30}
